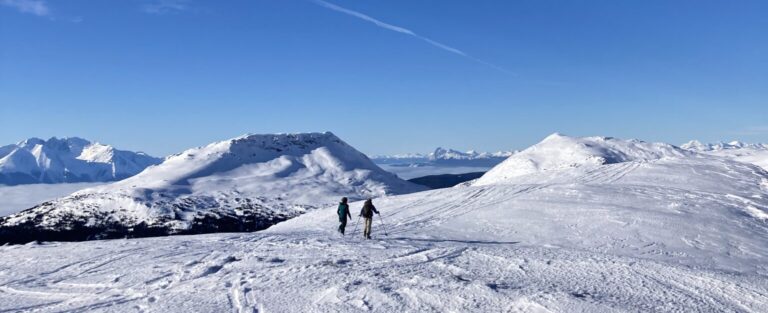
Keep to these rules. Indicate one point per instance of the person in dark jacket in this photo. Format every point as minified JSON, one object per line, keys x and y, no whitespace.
{"x":343,"y":212}
{"x":367,"y":214}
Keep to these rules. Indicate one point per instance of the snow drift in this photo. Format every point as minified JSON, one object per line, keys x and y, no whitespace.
{"x":243,"y":184}
{"x":68,"y":160}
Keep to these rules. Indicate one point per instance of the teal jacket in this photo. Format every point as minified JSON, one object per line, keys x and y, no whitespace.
{"x":343,"y":212}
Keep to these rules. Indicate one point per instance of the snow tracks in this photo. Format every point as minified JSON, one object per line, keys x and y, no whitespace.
{"x":311,"y":272}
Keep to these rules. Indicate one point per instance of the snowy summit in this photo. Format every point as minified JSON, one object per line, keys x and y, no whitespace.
{"x":594,"y":224}
{"x":68,"y":160}
{"x":243,"y":184}
{"x":559,"y":152}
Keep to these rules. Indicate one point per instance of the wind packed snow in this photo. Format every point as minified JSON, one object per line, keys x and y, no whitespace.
{"x":14,"y":199}
{"x":68,"y":160}
{"x":605,"y":225}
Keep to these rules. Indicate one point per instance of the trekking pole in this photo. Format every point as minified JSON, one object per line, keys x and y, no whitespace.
{"x":357,"y":223}
{"x":383,"y":227}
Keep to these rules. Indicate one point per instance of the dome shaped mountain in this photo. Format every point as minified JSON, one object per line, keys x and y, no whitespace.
{"x":560,"y":152}
{"x":68,"y":160}
{"x":243,"y":184}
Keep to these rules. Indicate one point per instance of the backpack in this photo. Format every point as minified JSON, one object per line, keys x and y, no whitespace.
{"x":367,"y":210}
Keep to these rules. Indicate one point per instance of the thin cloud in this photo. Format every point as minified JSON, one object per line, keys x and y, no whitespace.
{"x":406,"y":31}
{"x":34,"y":7}
{"x":166,"y":6}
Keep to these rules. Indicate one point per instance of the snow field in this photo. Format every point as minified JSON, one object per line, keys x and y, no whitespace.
{"x":314,"y":272}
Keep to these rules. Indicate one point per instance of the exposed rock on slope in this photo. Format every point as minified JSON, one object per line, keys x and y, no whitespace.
{"x":243,"y":184}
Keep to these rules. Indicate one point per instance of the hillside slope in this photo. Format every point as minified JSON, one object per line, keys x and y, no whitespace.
{"x":647,"y":231}
{"x":622,"y":197}
{"x":243,"y":184}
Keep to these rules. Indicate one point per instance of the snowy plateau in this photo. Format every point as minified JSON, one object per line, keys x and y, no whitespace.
{"x":594,"y":224}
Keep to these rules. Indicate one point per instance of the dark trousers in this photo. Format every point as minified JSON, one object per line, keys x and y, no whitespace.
{"x":342,"y":226}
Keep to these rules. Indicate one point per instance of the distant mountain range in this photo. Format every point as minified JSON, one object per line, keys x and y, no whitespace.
{"x":755,"y":153}
{"x":719,"y":146}
{"x":68,"y":160}
{"x":444,"y":157}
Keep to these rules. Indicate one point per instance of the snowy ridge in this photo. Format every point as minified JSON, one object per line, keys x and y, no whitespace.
{"x":68,"y":160}
{"x":559,"y":152}
{"x":243,"y":184}
{"x":441,"y":155}
{"x":624,"y":197}
{"x":649,"y":209}
{"x":631,"y":226}
{"x":754,"y":153}
{"x":696,"y":145}
{"x":450,"y":154}
{"x":441,"y":161}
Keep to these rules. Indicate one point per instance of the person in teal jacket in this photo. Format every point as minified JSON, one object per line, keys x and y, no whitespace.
{"x":343,"y":212}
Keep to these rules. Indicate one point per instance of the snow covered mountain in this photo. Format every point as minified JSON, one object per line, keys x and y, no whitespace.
{"x":624,"y":197}
{"x":68,"y":160}
{"x":444,"y":156}
{"x":756,"y":153}
{"x":243,"y":184}
{"x":441,"y":154}
{"x":591,"y":224}
{"x":558,"y":152}
{"x":733,"y":145}
{"x":439,"y":162}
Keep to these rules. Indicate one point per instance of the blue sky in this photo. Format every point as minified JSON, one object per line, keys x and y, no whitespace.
{"x":386,"y":76}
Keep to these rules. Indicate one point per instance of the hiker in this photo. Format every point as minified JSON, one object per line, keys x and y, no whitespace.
{"x":343,"y":212}
{"x":367,"y":214}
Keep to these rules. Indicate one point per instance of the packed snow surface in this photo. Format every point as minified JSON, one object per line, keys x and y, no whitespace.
{"x":645,"y":228}
{"x":14,"y":199}
{"x":68,"y":160}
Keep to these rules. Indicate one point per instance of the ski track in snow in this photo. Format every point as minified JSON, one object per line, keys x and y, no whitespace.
{"x":662,"y":234}
{"x":314,"y":272}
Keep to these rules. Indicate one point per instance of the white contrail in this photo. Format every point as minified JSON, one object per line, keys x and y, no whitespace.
{"x":406,"y":31}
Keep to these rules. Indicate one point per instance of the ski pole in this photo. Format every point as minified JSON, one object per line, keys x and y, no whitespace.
{"x":383,"y":227}
{"x":357,"y":223}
